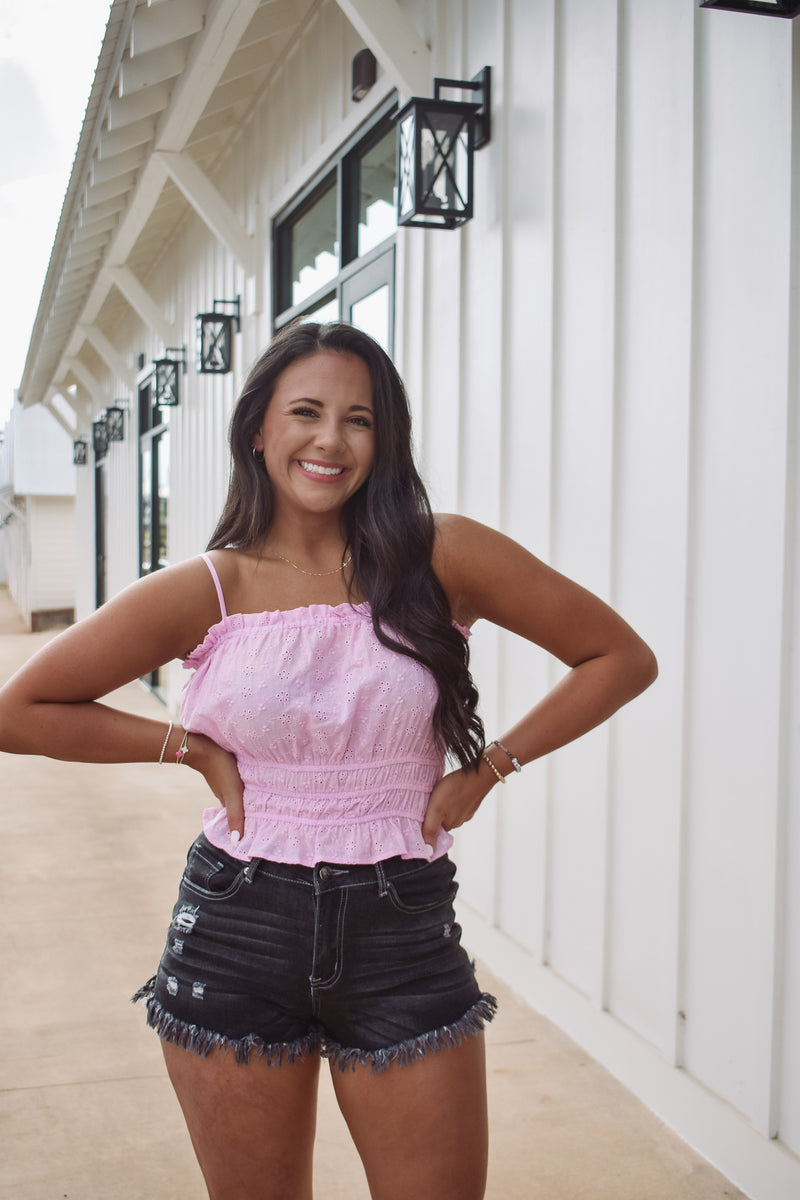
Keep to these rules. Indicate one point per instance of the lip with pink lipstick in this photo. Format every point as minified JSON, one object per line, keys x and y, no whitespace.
{"x":320,"y":472}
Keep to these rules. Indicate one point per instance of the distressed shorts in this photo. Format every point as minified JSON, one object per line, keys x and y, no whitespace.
{"x":359,"y":964}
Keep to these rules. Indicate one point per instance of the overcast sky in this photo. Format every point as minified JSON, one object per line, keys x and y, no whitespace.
{"x":48,"y":55}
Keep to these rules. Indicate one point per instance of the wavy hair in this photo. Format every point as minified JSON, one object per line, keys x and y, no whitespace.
{"x":388,"y":524}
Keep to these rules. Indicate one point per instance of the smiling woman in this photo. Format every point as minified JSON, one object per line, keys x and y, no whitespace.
{"x":326,"y":630}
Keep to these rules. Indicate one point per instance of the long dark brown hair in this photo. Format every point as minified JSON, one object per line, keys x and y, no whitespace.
{"x":387,"y":522}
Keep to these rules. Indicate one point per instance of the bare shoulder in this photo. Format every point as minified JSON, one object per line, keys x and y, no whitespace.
{"x":158,"y":618}
{"x":489,"y":575}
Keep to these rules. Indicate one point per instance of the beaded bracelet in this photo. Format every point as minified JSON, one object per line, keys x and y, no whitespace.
{"x":516,"y":764}
{"x":166,"y":739}
{"x":489,"y":763}
{"x":183,"y":749}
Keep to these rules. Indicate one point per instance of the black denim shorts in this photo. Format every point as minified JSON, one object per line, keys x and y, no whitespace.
{"x":361,"y":964}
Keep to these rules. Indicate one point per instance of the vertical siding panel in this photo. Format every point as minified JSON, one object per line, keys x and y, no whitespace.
{"x":481,"y":431}
{"x":785,"y":1121}
{"x":654,"y":355}
{"x":527,"y":399}
{"x":736,"y":565}
{"x":583,"y":450}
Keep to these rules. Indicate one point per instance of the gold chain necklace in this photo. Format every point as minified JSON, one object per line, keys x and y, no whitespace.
{"x":318,"y":574}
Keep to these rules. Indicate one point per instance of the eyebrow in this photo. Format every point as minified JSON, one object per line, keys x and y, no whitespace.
{"x":319,"y":404}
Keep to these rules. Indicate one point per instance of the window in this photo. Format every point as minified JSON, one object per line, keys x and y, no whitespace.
{"x":334,"y":246}
{"x":153,"y":490}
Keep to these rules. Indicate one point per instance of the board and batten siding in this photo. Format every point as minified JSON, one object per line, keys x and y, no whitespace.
{"x":603,"y":364}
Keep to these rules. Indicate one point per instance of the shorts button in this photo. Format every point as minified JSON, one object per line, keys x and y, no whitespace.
{"x":324,"y":874}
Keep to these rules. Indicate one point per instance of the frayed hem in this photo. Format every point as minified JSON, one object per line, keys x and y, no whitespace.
{"x":204,"y":1041}
{"x":417,"y":1048}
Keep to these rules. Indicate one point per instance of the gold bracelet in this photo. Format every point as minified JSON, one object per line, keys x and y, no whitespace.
{"x":183,"y":749}
{"x":489,"y":762}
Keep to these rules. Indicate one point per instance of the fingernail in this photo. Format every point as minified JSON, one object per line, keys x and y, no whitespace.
{"x":428,"y":850}
{"x":235,"y":836}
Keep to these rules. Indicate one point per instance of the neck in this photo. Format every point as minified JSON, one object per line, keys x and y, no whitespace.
{"x":309,"y":542}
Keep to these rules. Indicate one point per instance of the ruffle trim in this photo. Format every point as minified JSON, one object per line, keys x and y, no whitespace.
{"x":204,"y":1041}
{"x":275,"y":1054}
{"x":283,"y":618}
{"x":279,"y":618}
{"x":416,"y":1048}
{"x":359,"y":843}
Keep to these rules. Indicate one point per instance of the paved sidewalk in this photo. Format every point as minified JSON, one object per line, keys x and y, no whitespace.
{"x":86,"y":1111}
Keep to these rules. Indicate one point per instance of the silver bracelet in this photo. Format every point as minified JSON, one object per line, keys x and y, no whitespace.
{"x":166,"y":739}
{"x":516,"y":764}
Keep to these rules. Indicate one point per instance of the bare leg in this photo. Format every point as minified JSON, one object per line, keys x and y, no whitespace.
{"x":421,"y":1130}
{"x":252,"y":1127}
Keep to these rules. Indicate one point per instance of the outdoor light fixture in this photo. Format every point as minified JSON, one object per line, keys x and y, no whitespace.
{"x":168,"y":376}
{"x":767,"y":8}
{"x":80,"y":452}
{"x":100,"y":436}
{"x":365,"y":72}
{"x":115,"y":420}
{"x":435,"y":150}
{"x":215,"y":337}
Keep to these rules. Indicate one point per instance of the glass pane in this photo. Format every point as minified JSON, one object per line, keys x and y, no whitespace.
{"x":371,"y":313}
{"x":407,"y":177}
{"x":315,"y":248}
{"x":163,"y":497}
{"x":329,"y":311}
{"x":146,"y":510}
{"x":445,"y":162}
{"x":377,"y":199}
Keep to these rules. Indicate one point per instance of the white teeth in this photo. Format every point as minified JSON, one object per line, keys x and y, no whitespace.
{"x":316,"y":469}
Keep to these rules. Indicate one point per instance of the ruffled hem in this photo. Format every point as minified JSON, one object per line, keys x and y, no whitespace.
{"x":357,"y":843}
{"x":275,"y":1054}
{"x":416,"y":1048}
{"x":204,"y":1041}
{"x":283,"y":618}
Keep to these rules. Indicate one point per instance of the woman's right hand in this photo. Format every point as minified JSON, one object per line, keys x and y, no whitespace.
{"x":221,"y":772}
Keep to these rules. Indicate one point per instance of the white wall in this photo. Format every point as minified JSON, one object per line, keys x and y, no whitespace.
{"x":602,"y":364}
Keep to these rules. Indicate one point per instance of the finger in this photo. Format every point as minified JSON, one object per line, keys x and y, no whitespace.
{"x":234,"y":811}
{"x":430,"y":827}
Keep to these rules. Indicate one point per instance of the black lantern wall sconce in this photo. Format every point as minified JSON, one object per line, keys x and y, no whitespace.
{"x":115,"y":420}
{"x":215,"y":337}
{"x":168,"y":376}
{"x":436,"y":144}
{"x":80,"y":452}
{"x":766,"y":8}
{"x":100,"y":436}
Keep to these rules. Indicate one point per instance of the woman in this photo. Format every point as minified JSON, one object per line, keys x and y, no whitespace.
{"x":327,"y":634}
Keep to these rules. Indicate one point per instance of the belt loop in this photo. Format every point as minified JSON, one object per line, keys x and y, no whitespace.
{"x":383,"y":886}
{"x":251,"y":869}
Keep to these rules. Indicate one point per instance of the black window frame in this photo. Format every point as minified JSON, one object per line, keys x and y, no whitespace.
{"x":341,"y":173}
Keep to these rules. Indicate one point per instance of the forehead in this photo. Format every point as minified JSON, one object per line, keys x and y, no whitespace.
{"x":326,"y":375}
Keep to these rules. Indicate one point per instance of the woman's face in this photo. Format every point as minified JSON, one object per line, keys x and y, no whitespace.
{"x":318,"y":433}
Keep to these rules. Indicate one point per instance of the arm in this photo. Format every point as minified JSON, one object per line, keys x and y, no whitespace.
{"x":51,"y":706}
{"x":487,"y":575}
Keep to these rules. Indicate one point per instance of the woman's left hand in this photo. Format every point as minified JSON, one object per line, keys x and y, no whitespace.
{"x":455,"y":799}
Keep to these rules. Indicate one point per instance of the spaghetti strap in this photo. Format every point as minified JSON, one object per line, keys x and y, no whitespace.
{"x":217,"y":584}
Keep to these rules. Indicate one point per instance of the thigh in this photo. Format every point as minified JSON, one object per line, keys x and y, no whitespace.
{"x":252,"y":1126}
{"x":421,"y":1130}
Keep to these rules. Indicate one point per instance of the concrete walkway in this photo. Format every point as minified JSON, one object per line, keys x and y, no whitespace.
{"x":86,"y":1111}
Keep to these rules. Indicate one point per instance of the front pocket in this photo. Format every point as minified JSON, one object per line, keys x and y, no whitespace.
{"x":211,"y":872}
{"x":425,"y":889}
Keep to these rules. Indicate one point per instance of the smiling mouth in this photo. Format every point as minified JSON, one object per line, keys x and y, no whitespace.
{"x":318,"y":469}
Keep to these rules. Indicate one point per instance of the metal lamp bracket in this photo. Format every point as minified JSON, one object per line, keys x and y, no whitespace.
{"x":482,"y":85}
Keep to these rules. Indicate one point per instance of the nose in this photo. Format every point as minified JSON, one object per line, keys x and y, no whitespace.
{"x":328,"y":434}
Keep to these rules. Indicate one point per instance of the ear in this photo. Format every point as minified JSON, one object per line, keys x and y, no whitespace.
{"x":258,"y":442}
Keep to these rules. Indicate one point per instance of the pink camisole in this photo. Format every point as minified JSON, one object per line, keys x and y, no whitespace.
{"x":332,"y":734}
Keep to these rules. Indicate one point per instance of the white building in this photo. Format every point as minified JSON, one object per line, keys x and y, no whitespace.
{"x":603,"y":362}
{"x":37,"y":516}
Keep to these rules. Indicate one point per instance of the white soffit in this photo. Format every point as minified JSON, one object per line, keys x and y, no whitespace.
{"x":173,"y":81}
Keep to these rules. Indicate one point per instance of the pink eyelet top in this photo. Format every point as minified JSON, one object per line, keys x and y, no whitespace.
{"x":332,"y":734}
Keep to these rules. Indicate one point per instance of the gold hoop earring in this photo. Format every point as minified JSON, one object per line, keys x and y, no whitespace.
{"x":258,"y":455}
